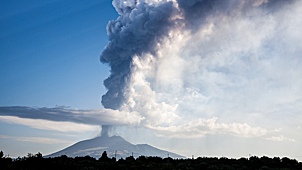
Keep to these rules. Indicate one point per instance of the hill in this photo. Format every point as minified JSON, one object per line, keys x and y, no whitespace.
{"x":112,"y":145}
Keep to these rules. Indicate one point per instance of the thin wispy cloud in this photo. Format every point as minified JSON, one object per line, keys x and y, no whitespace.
{"x":64,"y":114}
{"x":49,"y":125}
{"x":280,"y":139}
{"x":36,"y":139}
{"x":202,"y":127}
{"x":193,"y":129}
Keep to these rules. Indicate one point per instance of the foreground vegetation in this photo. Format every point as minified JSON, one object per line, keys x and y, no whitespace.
{"x":32,"y":162}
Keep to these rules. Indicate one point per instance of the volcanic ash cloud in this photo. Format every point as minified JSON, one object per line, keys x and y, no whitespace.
{"x":204,"y":66}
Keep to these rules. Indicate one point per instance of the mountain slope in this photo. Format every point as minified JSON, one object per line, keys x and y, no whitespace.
{"x":96,"y":146}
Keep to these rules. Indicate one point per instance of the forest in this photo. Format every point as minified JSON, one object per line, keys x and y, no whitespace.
{"x":37,"y":162}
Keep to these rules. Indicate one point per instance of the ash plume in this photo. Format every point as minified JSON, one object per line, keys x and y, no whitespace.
{"x":136,"y":32}
{"x":142,"y":27}
{"x":174,"y":60}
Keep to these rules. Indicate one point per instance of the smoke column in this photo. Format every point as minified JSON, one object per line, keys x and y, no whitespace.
{"x":136,"y":32}
{"x":105,"y":130}
{"x":174,"y":61}
{"x":144,"y":24}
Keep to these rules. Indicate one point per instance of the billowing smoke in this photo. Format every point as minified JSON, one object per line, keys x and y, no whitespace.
{"x":136,"y":32}
{"x":174,"y":61}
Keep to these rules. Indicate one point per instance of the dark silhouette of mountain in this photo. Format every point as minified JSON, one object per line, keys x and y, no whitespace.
{"x":96,"y":146}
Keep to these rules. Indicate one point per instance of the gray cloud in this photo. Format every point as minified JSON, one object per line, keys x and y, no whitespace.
{"x":211,"y":58}
{"x":64,"y":114}
{"x":136,"y":32}
{"x":143,"y":25}
{"x":108,"y":118}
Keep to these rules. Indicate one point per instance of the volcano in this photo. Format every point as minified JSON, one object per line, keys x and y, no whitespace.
{"x":114,"y":146}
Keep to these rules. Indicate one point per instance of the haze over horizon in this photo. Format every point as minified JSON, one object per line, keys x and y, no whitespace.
{"x":194,"y":77}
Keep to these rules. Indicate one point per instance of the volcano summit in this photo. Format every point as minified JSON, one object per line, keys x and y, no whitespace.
{"x":96,"y":146}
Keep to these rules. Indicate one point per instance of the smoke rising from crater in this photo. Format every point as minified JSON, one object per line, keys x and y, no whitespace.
{"x":135,"y":33}
{"x":105,"y":130}
{"x":144,"y":25}
{"x":174,"y":61}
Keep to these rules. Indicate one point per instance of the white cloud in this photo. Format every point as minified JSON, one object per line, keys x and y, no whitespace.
{"x":49,"y":125}
{"x":63,"y":134}
{"x":280,"y":138}
{"x":202,"y":127}
{"x":36,"y":139}
{"x":234,"y":67}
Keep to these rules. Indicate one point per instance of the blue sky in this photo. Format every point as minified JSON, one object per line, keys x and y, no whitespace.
{"x":188,"y":78}
{"x":50,"y":52}
{"x":50,"y":56}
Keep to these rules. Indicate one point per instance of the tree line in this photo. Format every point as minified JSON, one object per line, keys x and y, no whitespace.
{"x":37,"y":162}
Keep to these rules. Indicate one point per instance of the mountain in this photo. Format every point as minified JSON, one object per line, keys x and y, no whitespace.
{"x":96,"y":146}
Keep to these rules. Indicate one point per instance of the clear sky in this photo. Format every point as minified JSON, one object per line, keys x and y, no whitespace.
{"x":202,"y":78}
{"x":50,"y":52}
{"x":50,"y":56}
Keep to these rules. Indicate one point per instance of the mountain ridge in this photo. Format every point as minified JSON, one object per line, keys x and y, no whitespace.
{"x":115,"y":146}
